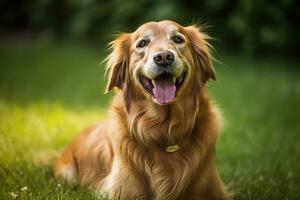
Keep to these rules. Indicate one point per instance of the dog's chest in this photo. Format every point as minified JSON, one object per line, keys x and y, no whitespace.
{"x":170,"y":174}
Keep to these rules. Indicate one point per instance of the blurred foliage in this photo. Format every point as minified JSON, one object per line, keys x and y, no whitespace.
{"x":253,"y":26}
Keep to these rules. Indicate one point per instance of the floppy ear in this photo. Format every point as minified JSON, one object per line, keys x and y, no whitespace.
{"x":117,"y":61}
{"x":201,"y":52}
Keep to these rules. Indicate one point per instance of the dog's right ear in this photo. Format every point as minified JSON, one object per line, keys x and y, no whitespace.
{"x":117,"y":61}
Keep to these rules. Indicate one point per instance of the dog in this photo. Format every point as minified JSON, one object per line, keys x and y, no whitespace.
{"x":160,"y":137}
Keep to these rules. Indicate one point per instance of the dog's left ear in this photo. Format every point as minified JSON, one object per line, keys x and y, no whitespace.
{"x":201,"y":51}
{"x":118,"y":61}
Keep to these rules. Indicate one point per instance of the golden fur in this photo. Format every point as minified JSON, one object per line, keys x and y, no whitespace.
{"x":127,"y":152}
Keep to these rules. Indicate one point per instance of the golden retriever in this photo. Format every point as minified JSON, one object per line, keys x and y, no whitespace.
{"x":160,"y":137}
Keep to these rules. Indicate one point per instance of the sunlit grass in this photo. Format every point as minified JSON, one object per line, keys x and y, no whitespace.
{"x":49,"y":92}
{"x":29,"y":133}
{"x":40,"y":127}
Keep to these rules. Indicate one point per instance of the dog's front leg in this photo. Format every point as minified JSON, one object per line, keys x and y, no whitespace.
{"x":211,"y":187}
{"x":121,"y":182}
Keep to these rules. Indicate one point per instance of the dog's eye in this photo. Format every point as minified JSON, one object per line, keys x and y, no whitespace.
{"x":177,"y":39}
{"x":142,"y":43}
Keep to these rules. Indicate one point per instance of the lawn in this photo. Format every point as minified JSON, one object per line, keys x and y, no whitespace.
{"x":50,"y":91}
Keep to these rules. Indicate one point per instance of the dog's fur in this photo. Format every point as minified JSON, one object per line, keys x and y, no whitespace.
{"x":127,"y":152}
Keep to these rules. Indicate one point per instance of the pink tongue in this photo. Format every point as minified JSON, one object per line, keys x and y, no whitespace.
{"x":164,"y":90}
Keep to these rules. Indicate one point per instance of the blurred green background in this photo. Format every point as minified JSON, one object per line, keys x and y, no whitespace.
{"x":252,"y":26}
{"x":52,"y":86}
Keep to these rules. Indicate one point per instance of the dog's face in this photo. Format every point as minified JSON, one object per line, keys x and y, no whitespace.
{"x":162,"y":60}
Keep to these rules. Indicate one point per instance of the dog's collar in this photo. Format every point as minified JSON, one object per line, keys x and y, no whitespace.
{"x":174,"y":148}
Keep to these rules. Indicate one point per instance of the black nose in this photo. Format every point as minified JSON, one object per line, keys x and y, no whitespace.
{"x":163,"y":58}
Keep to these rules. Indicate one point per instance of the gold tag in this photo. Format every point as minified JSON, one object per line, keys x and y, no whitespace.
{"x":172,"y":149}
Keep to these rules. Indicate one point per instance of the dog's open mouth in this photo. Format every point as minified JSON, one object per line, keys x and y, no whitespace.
{"x":163,"y":88}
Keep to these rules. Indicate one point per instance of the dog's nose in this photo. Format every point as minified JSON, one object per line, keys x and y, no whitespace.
{"x":163,"y":58}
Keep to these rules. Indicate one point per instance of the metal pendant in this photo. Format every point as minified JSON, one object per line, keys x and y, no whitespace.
{"x":171,"y":149}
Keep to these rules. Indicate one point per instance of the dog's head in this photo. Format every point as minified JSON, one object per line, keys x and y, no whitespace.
{"x":162,"y":61}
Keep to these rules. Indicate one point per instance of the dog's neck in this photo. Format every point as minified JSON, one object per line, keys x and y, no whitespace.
{"x":162,"y":126}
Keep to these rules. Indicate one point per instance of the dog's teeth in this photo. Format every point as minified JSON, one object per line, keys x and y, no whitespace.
{"x":174,"y":79}
{"x":152,"y":81}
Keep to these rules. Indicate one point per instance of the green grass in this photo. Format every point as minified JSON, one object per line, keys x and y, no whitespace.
{"x":49,"y":92}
